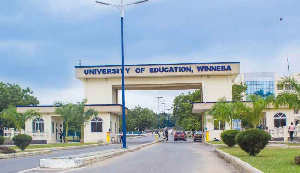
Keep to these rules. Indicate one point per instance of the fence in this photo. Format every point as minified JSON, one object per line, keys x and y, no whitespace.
{"x":282,"y":132}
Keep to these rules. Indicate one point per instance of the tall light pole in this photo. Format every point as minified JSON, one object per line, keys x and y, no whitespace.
{"x":158,"y":98}
{"x":122,"y":7}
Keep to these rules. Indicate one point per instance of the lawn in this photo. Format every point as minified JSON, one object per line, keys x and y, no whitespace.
{"x":292,"y":144}
{"x":269,"y":160}
{"x":215,"y":142}
{"x":53,"y":145}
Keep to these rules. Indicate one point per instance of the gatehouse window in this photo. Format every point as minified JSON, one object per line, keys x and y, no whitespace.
{"x":38,"y":124}
{"x":279,"y":120}
{"x":96,"y":124}
{"x":219,"y":125}
{"x":296,"y":111}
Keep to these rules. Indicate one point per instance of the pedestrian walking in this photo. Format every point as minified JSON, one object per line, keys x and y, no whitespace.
{"x":60,"y":135}
{"x":291,"y":131}
{"x":166,"y":134}
{"x":121,"y":137}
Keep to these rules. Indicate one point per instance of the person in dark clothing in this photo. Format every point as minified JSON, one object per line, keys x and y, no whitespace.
{"x":121,"y":137}
{"x":60,"y":135}
{"x":166,"y":134}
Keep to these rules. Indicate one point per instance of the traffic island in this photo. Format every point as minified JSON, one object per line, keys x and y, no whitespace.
{"x":24,"y":154}
{"x":76,"y":161}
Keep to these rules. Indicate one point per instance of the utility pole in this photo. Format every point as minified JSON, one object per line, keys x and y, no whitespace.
{"x":158,"y":98}
{"x":122,"y":7}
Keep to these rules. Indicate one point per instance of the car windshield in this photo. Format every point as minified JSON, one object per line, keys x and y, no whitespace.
{"x":178,"y":132}
{"x":198,"y":133}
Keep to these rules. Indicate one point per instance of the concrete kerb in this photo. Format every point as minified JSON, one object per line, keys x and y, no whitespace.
{"x":24,"y":154}
{"x":76,"y":161}
{"x":214,"y":145}
{"x":41,"y":151}
{"x":237,"y":163}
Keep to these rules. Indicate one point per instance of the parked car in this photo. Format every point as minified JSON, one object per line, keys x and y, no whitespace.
{"x":180,"y":136}
{"x":197,"y":136}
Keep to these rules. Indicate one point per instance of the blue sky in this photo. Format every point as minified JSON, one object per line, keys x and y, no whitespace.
{"x":42,"y":40}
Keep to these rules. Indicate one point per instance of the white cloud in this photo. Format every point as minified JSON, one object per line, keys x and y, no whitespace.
{"x":47,"y":96}
{"x":147,"y":99}
{"x":21,"y":47}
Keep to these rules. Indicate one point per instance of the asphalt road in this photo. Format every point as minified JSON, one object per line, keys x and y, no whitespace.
{"x":24,"y":163}
{"x":165,"y":157}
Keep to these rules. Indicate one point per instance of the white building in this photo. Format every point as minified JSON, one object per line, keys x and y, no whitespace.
{"x":264,"y":84}
{"x":101,"y":85}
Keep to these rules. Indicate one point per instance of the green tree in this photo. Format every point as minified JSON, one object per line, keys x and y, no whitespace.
{"x":238,"y":91}
{"x":287,"y":98}
{"x":139,"y":119}
{"x":82,"y":115}
{"x":227,"y":111}
{"x":13,"y":94}
{"x":255,"y":110}
{"x":182,"y":111}
{"x":67,"y":112}
{"x":16,"y":120}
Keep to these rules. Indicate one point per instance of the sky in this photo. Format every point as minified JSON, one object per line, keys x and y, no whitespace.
{"x":42,"y":40}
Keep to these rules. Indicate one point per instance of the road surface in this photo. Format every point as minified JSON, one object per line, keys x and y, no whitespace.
{"x":24,"y":163}
{"x":165,"y":157}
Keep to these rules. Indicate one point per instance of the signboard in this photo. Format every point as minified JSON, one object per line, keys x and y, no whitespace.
{"x":158,"y":70}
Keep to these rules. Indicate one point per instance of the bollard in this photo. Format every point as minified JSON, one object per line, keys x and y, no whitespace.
{"x":207,"y":135}
{"x":156,"y":137}
{"x":108,"y":137}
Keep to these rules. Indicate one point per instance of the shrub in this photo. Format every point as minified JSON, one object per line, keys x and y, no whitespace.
{"x":228,"y":137}
{"x":252,"y":141}
{"x":22,"y":141}
{"x":2,"y":139}
{"x":6,"y":150}
{"x":297,"y":160}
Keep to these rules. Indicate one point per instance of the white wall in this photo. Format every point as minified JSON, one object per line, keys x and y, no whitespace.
{"x":97,"y":136}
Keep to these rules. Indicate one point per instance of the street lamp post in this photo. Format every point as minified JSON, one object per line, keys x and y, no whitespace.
{"x":158,"y":121}
{"x":122,"y":7}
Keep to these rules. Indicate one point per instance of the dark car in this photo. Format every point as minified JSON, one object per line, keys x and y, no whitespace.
{"x":197,"y":136}
{"x":179,"y":136}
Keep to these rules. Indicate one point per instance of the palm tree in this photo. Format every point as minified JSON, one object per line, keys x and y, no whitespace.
{"x":227,"y":111}
{"x":66,"y":111}
{"x":82,"y":116}
{"x":11,"y":115}
{"x":289,"y":98}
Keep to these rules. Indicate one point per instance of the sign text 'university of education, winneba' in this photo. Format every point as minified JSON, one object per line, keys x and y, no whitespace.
{"x":153,"y":70}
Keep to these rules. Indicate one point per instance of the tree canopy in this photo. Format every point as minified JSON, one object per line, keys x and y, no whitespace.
{"x":238,"y":91}
{"x":140,"y":119}
{"x":182,"y":111}
{"x":14,"y":95}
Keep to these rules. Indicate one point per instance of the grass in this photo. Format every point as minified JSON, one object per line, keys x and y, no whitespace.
{"x":215,"y":142}
{"x":269,"y":160}
{"x":53,"y":145}
{"x":292,"y":144}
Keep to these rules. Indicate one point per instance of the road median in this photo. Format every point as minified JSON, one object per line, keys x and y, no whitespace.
{"x":76,"y":161}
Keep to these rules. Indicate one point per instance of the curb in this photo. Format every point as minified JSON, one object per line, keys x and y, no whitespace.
{"x":237,"y":163}
{"x":24,"y":154}
{"x":80,"y":160}
{"x":214,"y":145}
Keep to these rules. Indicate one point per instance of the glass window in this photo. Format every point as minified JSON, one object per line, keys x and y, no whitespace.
{"x":38,"y":124}
{"x":219,"y":125}
{"x":296,"y":111}
{"x":52,"y":127}
{"x":279,"y":120}
{"x":96,"y":125}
